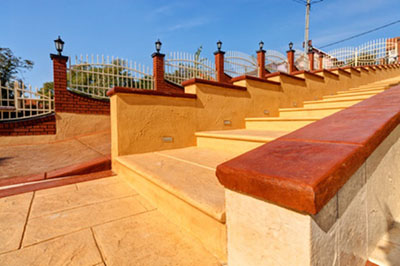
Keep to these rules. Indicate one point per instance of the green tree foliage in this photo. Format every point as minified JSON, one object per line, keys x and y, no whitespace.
{"x":89,"y":78}
{"x":47,"y":89}
{"x":11,"y":65}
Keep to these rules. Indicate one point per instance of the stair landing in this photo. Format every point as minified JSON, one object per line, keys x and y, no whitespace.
{"x":101,"y":222}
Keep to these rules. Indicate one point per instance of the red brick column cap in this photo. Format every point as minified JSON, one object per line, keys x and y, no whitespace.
{"x":59,"y":57}
{"x":157,"y":54}
{"x":219,"y":52}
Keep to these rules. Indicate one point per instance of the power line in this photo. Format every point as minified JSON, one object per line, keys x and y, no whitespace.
{"x":361,"y":34}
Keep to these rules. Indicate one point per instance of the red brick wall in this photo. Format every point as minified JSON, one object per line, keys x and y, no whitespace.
{"x":69,"y":102}
{"x":34,"y":126}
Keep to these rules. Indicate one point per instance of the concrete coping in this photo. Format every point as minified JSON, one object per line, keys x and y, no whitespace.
{"x":244,"y":77}
{"x":305,"y":72}
{"x":213,"y":83}
{"x":275,"y":74}
{"x":306,"y":168}
{"x":326,"y":71}
{"x":117,"y":90}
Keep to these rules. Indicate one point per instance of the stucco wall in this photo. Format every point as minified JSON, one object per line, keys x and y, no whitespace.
{"x":344,"y":232}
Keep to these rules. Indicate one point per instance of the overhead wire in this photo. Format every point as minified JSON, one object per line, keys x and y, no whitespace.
{"x":361,"y":34}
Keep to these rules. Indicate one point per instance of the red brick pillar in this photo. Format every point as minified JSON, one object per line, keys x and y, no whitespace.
{"x":59,"y":79}
{"x":398,"y":49}
{"x":321,"y":61}
{"x":158,"y":71}
{"x":261,"y":63}
{"x":290,"y":57}
{"x":311,"y":60}
{"x":219,"y":65}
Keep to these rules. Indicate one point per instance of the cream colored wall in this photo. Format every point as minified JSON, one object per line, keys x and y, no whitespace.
{"x":344,"y":232}
{"x":265,"y":98}
{"x":68,"y":125}
{"x":141,"y":121}
{"x":214,"y":105}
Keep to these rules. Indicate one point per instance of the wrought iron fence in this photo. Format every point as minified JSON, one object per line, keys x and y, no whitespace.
{"x":238,"y":63}
{"x":181,"y":66}
{"x":94,"y":75}
{"x":301,"y":60}
{"x":375,"y":52}
{"x":275,"y":61}
{"x":20,"y":101}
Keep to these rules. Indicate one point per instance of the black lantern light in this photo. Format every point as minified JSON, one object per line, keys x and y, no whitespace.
{"x":310,"y":48}
{"x":219,"y":45}
{"x":290,"y":46}
{"x":261,"y":44}
{"x":59,"y":45}
{"x":158,"y":46}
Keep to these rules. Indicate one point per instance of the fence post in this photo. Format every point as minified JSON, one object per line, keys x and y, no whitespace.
{"x":311,"y":59}
{"x":290,"y":57}
{"x":356,"y":58}
{"x":261,"y":63}
{"x":158,"y":70}
{"x":321,"y":61}
{"x":59,"y":79}
{"x":16,"y":95}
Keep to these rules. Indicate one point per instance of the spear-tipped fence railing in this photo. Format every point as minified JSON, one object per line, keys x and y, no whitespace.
{"x":181,"y":66}
{"x":95,"y":75}
{"x":375,"y":52}
{"x":238,"y":63}
{"x":301,"y":60}
{"x":19,"y":101}
{"x":275,"y":61}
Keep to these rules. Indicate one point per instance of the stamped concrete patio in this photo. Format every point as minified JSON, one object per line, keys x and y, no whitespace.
{"x":99,"y":222}
{"x":24,"y":160}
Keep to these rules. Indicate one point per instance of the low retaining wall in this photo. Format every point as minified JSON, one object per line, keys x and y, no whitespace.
{"x":45,"y":125}
{"x":71,"y":102}
{"x":321,"y":195}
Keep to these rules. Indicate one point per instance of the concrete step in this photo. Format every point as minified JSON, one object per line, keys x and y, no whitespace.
{"x":182,"y":185}
{"x":278,"y":123}
{"x":311,"y":112}
{"x":353,"y":94}
{"x":236,"y":141}
{"x":387,"y":251}
{"x":358,"y":90}
{"x":335,"y":102}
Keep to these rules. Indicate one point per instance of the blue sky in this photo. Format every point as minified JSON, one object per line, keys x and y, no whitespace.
{"x":128,"y":29}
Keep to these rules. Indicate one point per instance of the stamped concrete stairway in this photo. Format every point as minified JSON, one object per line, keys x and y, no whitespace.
{"x":182,"y":182}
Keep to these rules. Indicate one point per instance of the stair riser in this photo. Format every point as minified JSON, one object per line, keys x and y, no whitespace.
{"x":355,"y":95}
{"x":276,"y":125}
{"x":236,"y":147}
{"x":311,"y":113}
{"x":211,"y":232}
{"x":331,"y":104}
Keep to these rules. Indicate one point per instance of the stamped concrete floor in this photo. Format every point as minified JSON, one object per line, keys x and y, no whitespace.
{"x":22,"y":160}
{"x":100,"y":222}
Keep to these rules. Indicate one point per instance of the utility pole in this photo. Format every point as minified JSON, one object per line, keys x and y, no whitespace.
{"x":308,"y":5}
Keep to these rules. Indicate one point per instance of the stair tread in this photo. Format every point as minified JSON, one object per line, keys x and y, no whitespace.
{"x":353,"y":94}
{"x":187,"y":173}
{"x":244,"y":134}
{"x":280,"y":119}
{"x":334,"y":100}
{"x":310,"y":108}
